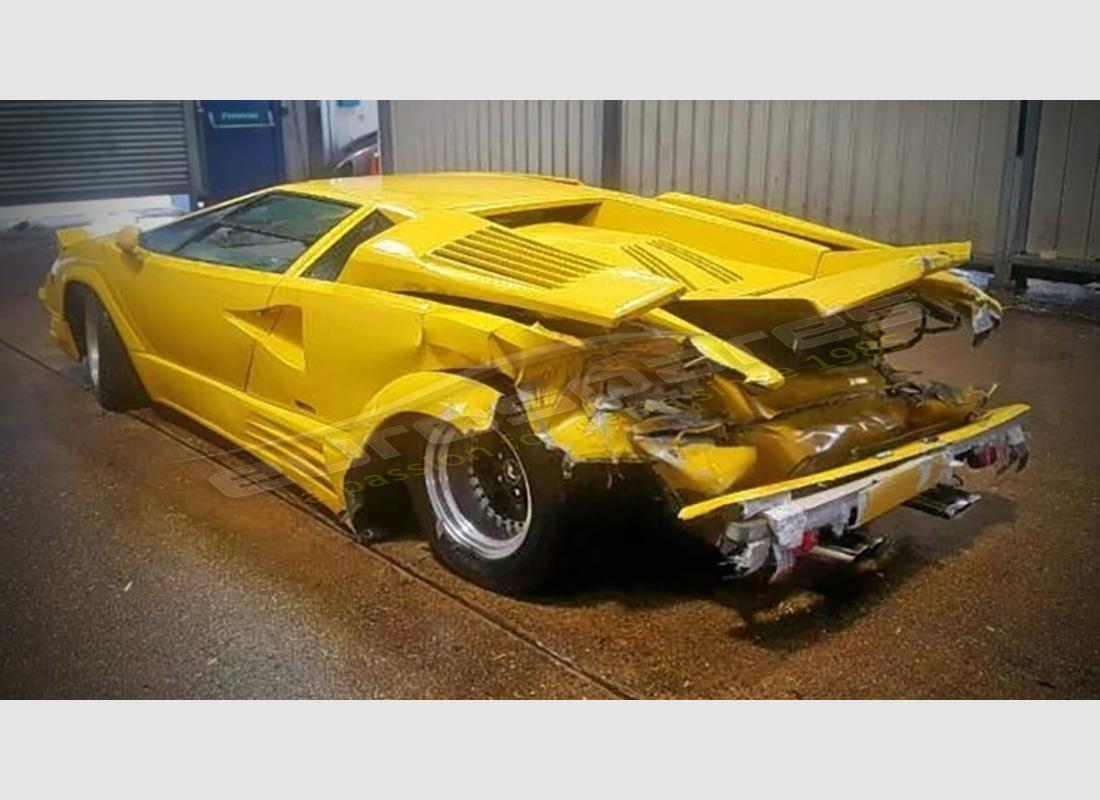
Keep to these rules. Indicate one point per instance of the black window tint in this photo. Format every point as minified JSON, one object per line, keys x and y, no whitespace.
{"x":240,"y":247}
{"x":330,"y":264}
{"x":169,"y":238}
{"x":303,"y":219}
{"x":267,"y":234}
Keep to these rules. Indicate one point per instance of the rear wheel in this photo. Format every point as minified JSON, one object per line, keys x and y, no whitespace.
{"x":106,"y":362}
{"x":492,"y":507}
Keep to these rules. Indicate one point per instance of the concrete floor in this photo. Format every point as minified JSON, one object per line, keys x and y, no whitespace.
{"x":125,"y":573}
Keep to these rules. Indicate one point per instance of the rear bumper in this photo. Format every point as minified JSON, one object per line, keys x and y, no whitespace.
{"x":848,"y":497}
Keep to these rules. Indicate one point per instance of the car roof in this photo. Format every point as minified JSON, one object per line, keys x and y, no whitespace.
{"x":452,"y":190}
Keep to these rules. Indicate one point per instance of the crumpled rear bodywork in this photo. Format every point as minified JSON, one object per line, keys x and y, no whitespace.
{"x":707,"y":433}
{"x":727,"y":347}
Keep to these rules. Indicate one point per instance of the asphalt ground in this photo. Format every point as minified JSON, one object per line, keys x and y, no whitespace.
{"x":124,"y":572}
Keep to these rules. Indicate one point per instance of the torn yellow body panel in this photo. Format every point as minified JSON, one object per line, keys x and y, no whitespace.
{"x":467,"y":405}
{"x":953,"y":300}
{"x":700,"y":467}
{"x":464,"y":403}
{"x":720,"y":351}
{"x":990,"y":421}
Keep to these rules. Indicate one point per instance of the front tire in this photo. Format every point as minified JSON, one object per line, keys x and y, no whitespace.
{"x":107,"y":365}
{"x":492,"y":506}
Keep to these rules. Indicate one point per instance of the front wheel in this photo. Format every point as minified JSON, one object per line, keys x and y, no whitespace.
{"x":106,"y":362}
{"x":492,"y":506}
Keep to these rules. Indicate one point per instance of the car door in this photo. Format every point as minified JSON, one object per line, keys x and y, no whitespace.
{"x":330,"y":348}
{"x":198,"y":292}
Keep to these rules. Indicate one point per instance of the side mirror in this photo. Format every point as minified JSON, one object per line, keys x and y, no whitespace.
{"x":128,"y":239}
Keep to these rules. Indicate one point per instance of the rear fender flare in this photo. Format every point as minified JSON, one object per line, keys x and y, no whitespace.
{"x":391,"y":432}
{"x":464,"y":403}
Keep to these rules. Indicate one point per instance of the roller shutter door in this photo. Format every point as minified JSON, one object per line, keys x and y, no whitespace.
{"x":77,"y":150}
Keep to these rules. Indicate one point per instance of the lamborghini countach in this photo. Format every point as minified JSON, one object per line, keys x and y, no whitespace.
{"x":470,"y":351}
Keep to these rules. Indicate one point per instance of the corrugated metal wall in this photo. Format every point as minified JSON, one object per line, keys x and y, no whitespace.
{"x":559,"y":137}
{"x":902,"y":172}
{"x":1065,"y":202}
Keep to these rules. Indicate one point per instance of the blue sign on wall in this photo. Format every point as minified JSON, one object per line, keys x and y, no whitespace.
{"x":242,"y":146}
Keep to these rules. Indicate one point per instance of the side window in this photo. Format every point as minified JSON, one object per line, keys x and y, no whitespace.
{"x":330,"y":263}
{"x":267,"y":233}
{"x":169,"y":238}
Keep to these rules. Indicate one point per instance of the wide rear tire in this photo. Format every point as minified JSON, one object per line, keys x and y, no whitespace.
{"x":492,"y":506}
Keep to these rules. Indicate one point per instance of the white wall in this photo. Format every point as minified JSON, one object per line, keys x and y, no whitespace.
{"x":308,"y":157}
{"x":344,"y":124}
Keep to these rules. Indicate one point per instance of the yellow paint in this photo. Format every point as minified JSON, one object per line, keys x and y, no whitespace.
{"x":772,"y":220}
{"x":588,"y":288}
{"x":991,"y":420}
{"x":889,"y":493}
{"x":702,"y":468}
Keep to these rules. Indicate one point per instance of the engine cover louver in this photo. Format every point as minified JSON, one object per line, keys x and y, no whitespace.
{"x":503,"y":254}
{"x":701,"y":270}
{"x":497,"y":252}
{"x":492,"y":260}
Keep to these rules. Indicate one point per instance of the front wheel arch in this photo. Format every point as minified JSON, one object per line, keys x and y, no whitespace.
{"x":72,"y":305}
{"x":109,"y":367}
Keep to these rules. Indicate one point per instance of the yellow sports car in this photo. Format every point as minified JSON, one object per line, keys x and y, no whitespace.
{"x":477,"y":350}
